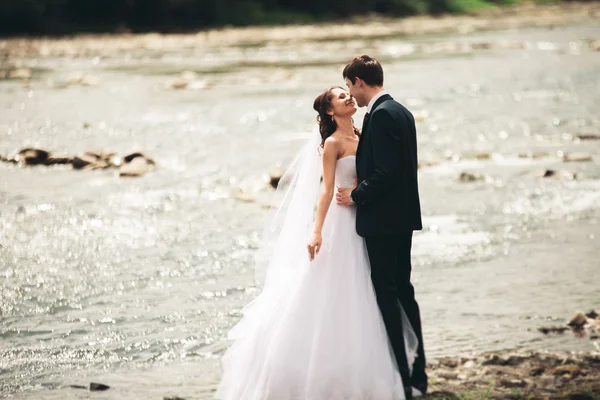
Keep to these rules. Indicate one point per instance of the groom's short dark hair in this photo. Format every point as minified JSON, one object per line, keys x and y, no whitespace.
{"x":366,"y":68}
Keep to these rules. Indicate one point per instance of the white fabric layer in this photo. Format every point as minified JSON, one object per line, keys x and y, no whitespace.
{"x":315,"y":332}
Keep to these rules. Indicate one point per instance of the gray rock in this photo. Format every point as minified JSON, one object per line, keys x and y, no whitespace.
{"x":423,"y":164}
{"x":575,"y":157}
{"x":129,"y":157}
{"x":587,"y":136}
{"x":31,"y":156}
{"x":578,"y":320}
{"x":240,"y":194}
{"x":537,"y":371}
{"x":85,"y":161}
{"x":98,"y":387}
{"x":533,"y":155}
{"x":56,"y":159}
{"x":553,"y":329}
{"x":136,"y":167}
{"x":19,"y":73}
{"x":571,"y":370}
{"x":554,"y":174}
{"x":513,"y":383}
{"x":505,"y":360}
{"x":275,"y":176}
{"x":470,"y":177}
{"x":477,"y":155}
{"x":78,"y":387}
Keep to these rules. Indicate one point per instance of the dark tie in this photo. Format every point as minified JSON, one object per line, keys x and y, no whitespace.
{"x":365,"y":120}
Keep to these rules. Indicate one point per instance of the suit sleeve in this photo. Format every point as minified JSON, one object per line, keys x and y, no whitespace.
{"x":387,"y":142}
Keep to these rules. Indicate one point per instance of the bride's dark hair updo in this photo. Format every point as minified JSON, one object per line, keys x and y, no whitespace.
{"x":321,"y":105}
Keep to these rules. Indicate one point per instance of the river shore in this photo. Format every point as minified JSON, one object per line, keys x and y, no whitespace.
{"x":362,"y":27}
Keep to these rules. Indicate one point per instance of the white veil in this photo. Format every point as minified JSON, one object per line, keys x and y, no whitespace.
{"x":291,"y":216}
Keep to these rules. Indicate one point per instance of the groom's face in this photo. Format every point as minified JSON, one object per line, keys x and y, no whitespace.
{"x":356,"y":90}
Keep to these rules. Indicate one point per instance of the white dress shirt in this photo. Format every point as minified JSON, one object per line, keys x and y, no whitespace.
{"x":374,"y":99}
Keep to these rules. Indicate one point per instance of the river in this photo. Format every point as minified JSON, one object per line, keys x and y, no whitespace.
{"x":135,"y":282}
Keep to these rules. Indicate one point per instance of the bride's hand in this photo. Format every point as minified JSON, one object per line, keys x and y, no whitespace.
{"x":314,"y":245}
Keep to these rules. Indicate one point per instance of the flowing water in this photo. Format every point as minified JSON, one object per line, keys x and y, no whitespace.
{"x":135,"y":282}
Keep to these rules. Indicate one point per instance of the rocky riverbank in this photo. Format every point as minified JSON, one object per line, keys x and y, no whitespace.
{"x":505,"y":375}
{"x":516,"y":375}
{"x":523,"y":375}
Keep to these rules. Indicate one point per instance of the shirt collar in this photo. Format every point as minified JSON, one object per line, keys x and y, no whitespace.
{"x":374,"y":99}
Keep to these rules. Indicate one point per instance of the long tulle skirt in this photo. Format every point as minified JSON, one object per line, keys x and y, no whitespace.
{"x":317,"y":333}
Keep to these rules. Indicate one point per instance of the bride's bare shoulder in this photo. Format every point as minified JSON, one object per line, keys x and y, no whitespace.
{"x":331,"y":143}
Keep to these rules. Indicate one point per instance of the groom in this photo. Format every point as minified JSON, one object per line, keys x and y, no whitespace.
{"x":388,"y":208}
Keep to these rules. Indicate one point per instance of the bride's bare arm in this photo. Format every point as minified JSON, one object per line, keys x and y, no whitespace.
{"x":330,"y":155}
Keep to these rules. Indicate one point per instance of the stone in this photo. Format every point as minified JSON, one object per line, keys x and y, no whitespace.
{"x":578,"y":320}
{"x":98,"y":387}
{"x":89,"y":80}
{"x":85,"y":161}
{"x":572,"y":370}
{"x":513,"y":383}
{"x":449,"y":362}
{"x":78,"y":387}
{"x":129,"y":157}
{"x":587,"y":136}
{"x":115,"y":161}
{"x":423,"y":164}
{"x":275,"y":176}
{"x":469,"y":177}
{"x":505,"y":360}
{"x":19,"y":73}
{"x":592,"y":314}
{"x":173,"y":398}
{"x":30,"y":156}
{"x":533,"y":155}
{"x":239,"y":194}
{"x":552,"y":173}
{"x":177,"y":84}
{"x":546,"y":382}
{"x":553,"y":329}
{"x":448,"y":375}
{"x":58,"y":160}
{"x":537,"y":371}
{"x":77,"y":78}
{"x":574,"y":157}
{"x":478,"y":155}
{"x":137,"y":167}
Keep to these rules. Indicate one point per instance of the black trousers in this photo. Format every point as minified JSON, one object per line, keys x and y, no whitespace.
{"x":389,"y":256}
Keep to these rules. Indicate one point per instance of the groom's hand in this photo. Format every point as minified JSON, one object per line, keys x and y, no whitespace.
{"x":342,"y":197}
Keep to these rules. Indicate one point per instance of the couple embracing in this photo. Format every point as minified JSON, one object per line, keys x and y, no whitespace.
{"x":341,"y":323}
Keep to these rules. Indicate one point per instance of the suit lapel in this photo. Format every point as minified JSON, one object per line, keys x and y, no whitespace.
{"x":365,"y":127}
{"x":380,"y":100}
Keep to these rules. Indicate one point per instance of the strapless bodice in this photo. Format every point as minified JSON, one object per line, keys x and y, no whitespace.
{"x":345,"y":171}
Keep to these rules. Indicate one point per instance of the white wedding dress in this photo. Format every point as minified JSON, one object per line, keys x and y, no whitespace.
{"x":318,"y":335}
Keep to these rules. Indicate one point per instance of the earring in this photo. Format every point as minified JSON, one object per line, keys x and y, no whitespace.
{"x":332,"y":119}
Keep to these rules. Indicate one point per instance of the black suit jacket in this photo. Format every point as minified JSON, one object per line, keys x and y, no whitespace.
{"x":387,"y":195}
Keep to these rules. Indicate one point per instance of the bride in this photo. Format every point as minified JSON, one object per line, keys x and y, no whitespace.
{"x":315,"y":332}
